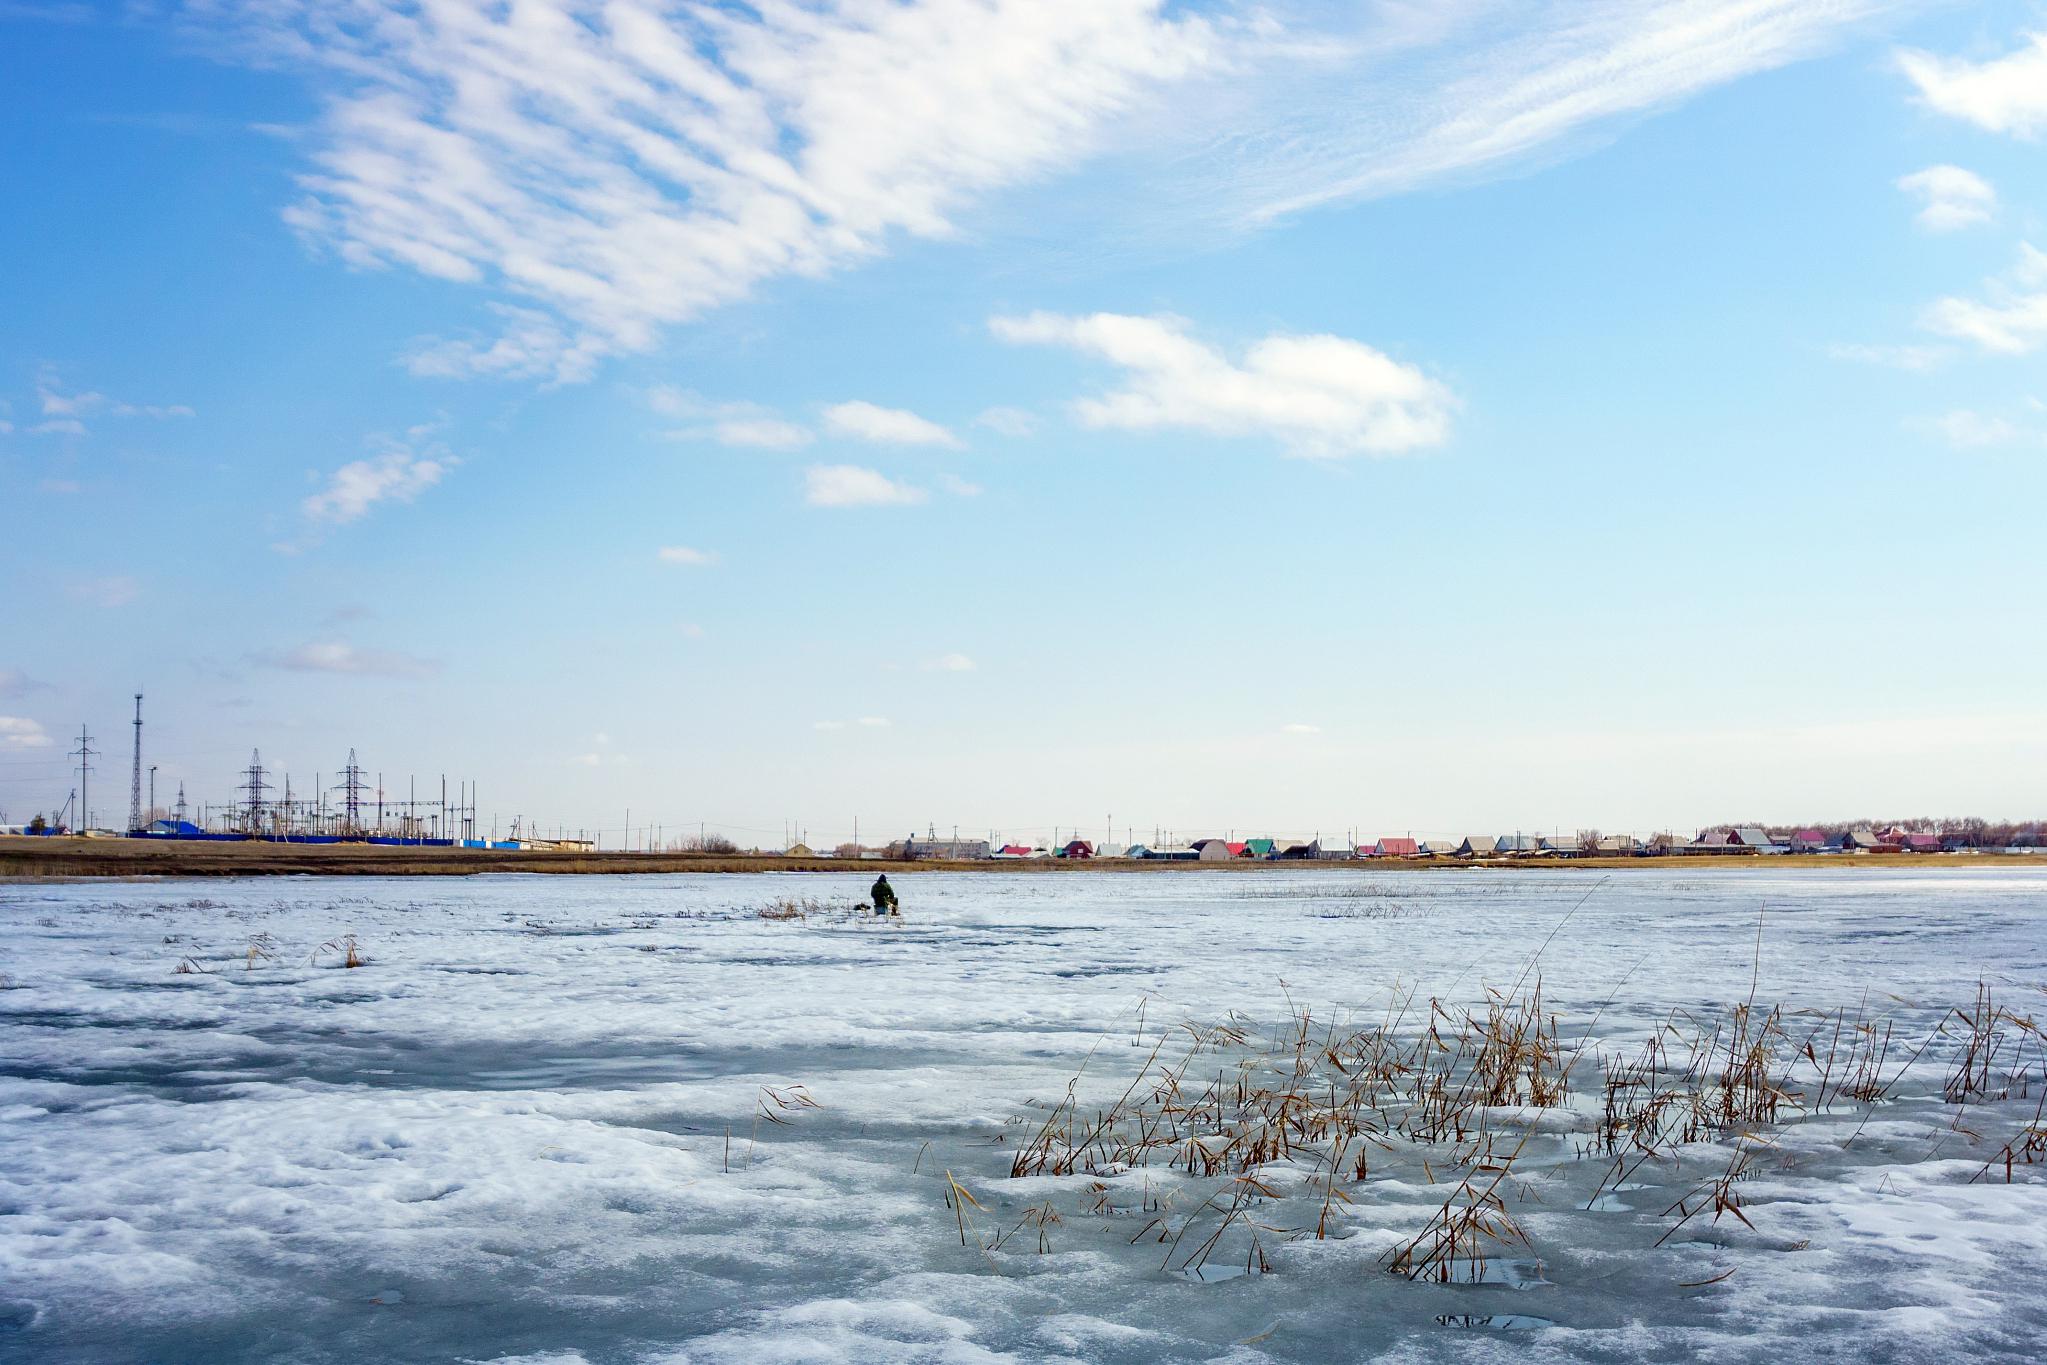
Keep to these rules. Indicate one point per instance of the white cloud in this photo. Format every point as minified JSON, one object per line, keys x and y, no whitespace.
{"x":606,"y":168}
{"x":1950,"y":198}
{"x":19,"y":732}
{"x":959,"y":487}
{"x":338,"y":656}
{"x":1477,"y":87}
{"x":762,"y":433}
{"x":111,"y":590}
{"x":1320,"y":396}
{"x":1012,"y":422}
{"x":2012,"y":320}
{"x":875,"y":722}
{"x":623,"y":166}
{"x":847,"y":485}
{"x":2005,"y":95}
{"x":56,"y":403}
{"x":65,"y":409}
{"x":397,"y":473}
{"x":731,"y":424}
{"x":155,"y":410}
{"x":886,"y":426}
{"x":684,"y":554}
{"x":15,"y":683}
{"x":691,"y":630}
{"x":950,"y":663}
{"x":1915,"y":358}
{"x":828,"y":725}
{"x":1297,"y":728}
{"x":1970,"y":430}
{"x":530,"y":344}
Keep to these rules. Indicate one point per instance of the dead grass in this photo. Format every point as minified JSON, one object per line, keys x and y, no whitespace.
{"x":1458,"y":1092}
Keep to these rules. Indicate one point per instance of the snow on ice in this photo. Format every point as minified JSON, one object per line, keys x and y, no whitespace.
{"x":631,"y":1119}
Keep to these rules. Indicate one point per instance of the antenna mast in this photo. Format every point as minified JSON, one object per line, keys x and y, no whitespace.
{"x":135,"y":776}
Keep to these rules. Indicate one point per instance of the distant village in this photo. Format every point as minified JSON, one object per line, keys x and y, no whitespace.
{"x":1962,"y":836}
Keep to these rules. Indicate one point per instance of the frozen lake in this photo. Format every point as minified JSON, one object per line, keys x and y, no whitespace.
{"x":631,"y":1119}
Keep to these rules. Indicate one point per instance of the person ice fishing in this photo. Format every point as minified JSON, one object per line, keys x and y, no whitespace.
{"x":884,"y":896}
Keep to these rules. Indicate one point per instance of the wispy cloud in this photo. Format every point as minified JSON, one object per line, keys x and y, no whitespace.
{"x":731,"y":424}
{"x":876,"y":722}
{"x":397,"y":473}
{"x":847,"y":485}
{"x":2005,"y":95}
{"x":607,"y":170}
{"x":685,"y":554}
{"x":65,"y":410}
{"x":1950,"y":198}
{"x":1004,"y":421}
{"x":1300,"y":728}
{"x":949,"y":663}
{"x":617,"y":168}
{"x":885,"y":426}
{"x":339,"y":656}
{"x":19,"y":732}
{"x":1967,"y":430}
{"x":1319,"y":396}
{"x":1478,"y":87}
{"x":2012,"y":317}
{"x":15,"y":683}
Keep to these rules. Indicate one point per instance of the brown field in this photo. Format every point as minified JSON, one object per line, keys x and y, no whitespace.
{"x":23,"y":858}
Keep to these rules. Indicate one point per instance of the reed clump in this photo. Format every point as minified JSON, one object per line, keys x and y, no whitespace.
{"x":1272,"y":1133}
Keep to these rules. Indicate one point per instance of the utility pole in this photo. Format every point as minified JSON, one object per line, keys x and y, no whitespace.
{"x":135,"y":775}
{"x":255,"y":786}
{"x":152,"y":791}
{"x":352,"y":788}
{"x":84,"y":753}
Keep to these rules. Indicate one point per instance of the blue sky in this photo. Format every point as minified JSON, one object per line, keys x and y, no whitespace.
{"x":1291,"y":418}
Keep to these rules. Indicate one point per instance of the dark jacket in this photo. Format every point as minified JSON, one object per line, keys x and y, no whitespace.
{"x":883,"y":893}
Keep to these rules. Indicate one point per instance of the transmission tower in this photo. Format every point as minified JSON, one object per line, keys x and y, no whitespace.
{"x":135,"y":776}
{"x":181,"y":803}
{"x":84,"y":753}
{"x":352,"y":789}
{"x":254,"y":786}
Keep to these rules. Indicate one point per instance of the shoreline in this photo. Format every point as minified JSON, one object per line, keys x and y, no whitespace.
{"x":33,"y":859}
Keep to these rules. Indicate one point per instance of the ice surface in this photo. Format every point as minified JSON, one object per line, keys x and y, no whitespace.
{"x":552,"y":1119}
